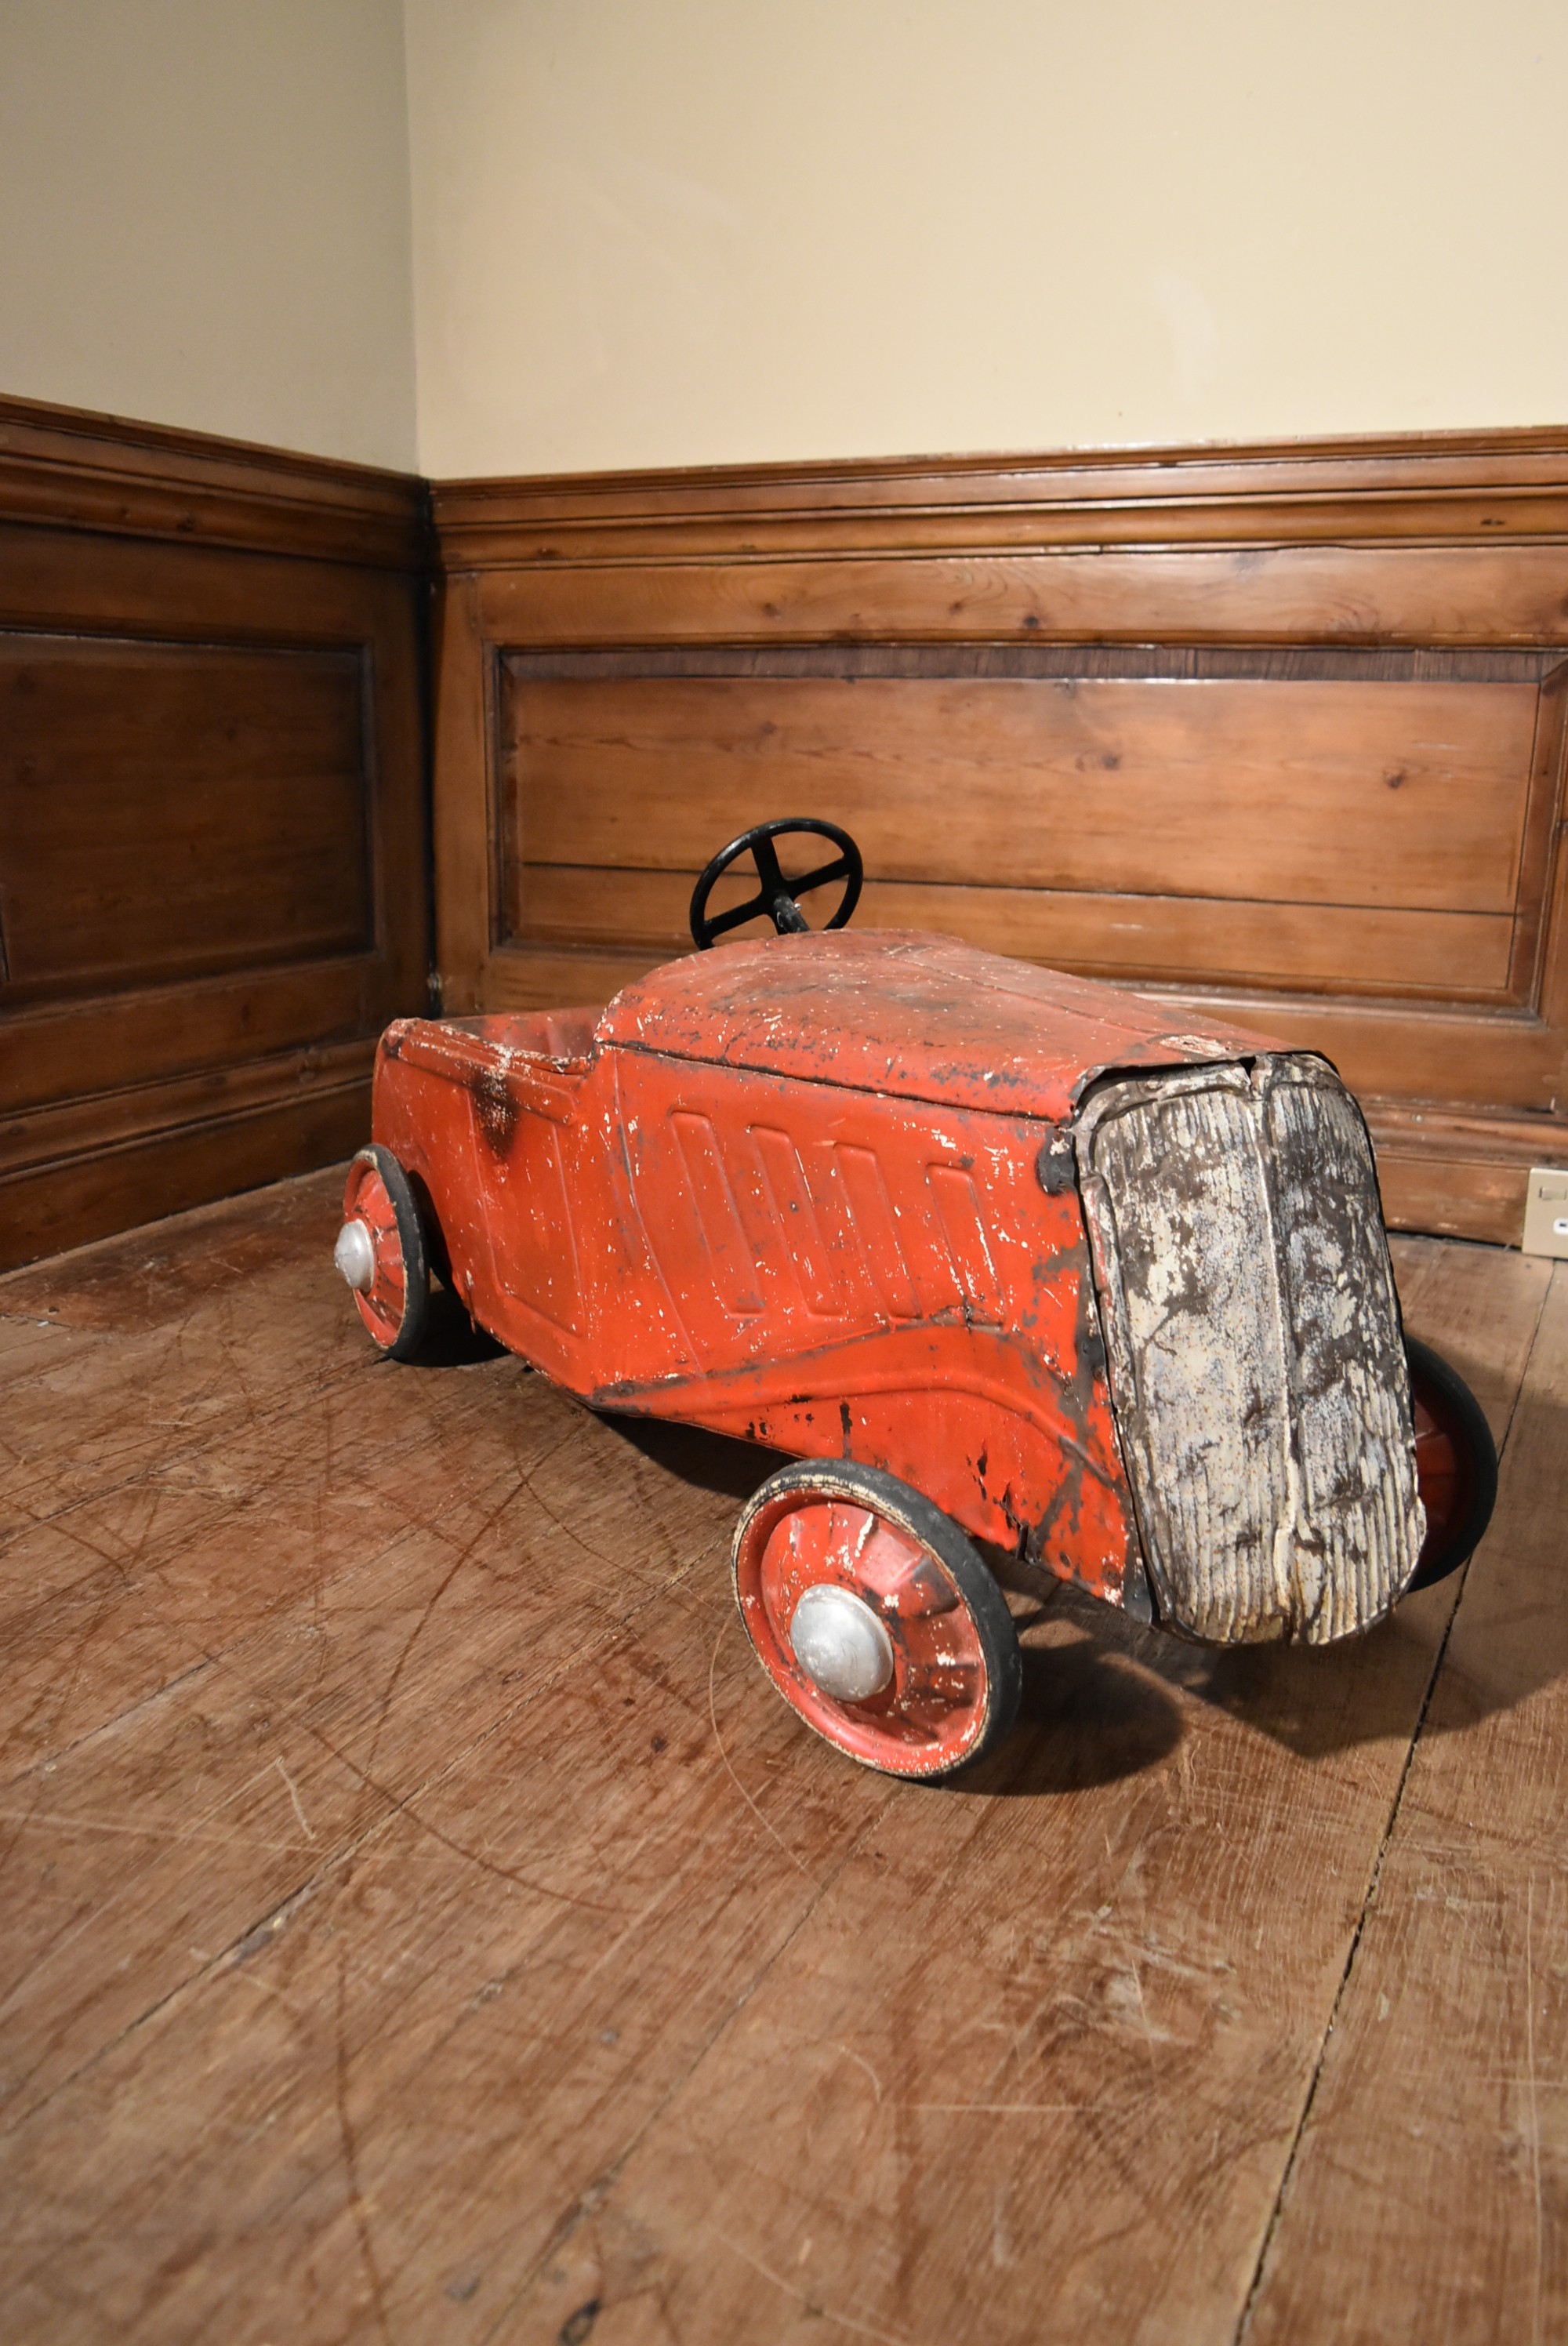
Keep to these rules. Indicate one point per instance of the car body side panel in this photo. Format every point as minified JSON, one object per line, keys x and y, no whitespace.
{"x":524,"y":1168}
{"x":828,"y":1271}
{"x":784,"y":1212}
{"x":959,"y":1421}
{"x":863,"y":1277}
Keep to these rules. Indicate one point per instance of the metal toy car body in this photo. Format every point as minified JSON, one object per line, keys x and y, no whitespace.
{"x":1016,"y":1264}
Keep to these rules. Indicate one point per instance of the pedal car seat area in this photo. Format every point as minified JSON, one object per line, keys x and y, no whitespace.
{"x":560,"y":1038}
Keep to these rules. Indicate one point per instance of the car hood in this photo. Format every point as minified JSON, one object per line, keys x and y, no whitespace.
{"x":914,"y":1015}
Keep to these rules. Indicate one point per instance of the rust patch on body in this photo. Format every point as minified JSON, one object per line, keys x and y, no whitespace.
{"x":494,"y":1108}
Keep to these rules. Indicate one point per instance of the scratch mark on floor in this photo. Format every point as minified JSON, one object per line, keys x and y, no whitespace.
{"x":403,"y":1806}
{"x":294,"y":1796}
{"x":352,"y":2161}
{"x":153,"y":1829}
{"x":1143,"y":2008}
{"x":814,"y":2305}
{"x":264,"y":1987}
{"x":1535,"y":2107}
{"x":1024,"y":2109}
{"x":461,"y":1558}
{"x":718,"y":1739}
{"x":861,"y":2062}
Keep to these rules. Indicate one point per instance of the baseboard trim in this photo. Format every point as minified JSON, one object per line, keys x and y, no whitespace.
{"x":45,"y":1209}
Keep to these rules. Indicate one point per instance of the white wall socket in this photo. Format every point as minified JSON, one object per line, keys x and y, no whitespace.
{"x":1546,"y":1211}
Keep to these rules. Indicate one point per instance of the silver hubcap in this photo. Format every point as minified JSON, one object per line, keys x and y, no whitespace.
{"x":355,"y":1256}
{"x":841,"y":1645}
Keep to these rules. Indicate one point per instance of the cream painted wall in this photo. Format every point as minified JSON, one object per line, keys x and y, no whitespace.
{"x":692,"y":231}
{"x":204,"y":217}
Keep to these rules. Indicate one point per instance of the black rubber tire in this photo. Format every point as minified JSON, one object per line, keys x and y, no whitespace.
{"x":415,"y":1254}
{"x":1456,"y":1408}
{"x":912,"y":1512}
{"x":437,"y":1260}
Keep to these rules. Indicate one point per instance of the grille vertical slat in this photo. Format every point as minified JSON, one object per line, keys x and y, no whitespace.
{"x":1351,"y":1405}
{"x":1256,"y":1363}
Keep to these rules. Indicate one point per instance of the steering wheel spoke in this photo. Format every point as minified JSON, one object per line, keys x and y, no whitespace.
{"x":737,"y":917}
{"x":765,"y":856}
{"x":838,"y":870}
{"x":777,"y":897}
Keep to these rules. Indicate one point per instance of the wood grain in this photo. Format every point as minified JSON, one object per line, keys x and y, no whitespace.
{"x":170,"y":1147}
{"x":170,"y":811}
{"x":1429,"y":2189}
{"x":1330,"y":792}
{"x":1279,"y":729}
{"x":162,"y":1034}
{"x":152,"y":1354}
{"x":1427,"y":487}
{"x":422,"y":1919}
{"x":1105,"y":1991}
{"x":212,"y":849}
{"x":1328,"y":948}
{"x":1469,"y":597}
{"x":113,"y":476}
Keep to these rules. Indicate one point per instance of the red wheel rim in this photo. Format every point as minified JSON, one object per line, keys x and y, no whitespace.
{"x":934,"y":1711}
{"x":367,"y":1199}
{"x":1442,"y":1473}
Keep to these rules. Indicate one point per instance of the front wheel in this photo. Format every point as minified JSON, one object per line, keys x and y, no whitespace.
{"x":1456,"y":1464}
{"x":876,"y":1619}
{"x":380,"y":1251}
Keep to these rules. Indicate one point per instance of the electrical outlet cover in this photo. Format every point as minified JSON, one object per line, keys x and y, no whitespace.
{"x":1546,"y":1211}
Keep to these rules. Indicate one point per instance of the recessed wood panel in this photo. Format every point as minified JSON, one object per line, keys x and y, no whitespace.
{"x":1327,"y":791}
{"x":1337,"y":948}
{"x":1341,"y":832}
{"x":211,"y":841}
{"x":176,"y":810}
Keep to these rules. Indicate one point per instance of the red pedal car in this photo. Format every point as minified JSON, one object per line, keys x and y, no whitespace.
{"x":1013,"y":1267}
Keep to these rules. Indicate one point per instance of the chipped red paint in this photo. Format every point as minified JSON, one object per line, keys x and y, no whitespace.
{"x":906,"y":1015}
{"x":932,"y":1713}
{"x":366,"y":1200}
{"x":794,"y":1191}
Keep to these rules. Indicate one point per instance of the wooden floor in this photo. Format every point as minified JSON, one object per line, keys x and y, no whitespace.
{"x":420,"y":1921}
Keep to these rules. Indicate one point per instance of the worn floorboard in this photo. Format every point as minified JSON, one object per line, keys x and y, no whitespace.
{"x":1428,"y":2197}
{"x":420,"y":1921}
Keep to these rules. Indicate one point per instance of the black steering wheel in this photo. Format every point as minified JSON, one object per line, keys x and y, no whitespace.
{"x":776,"y":896}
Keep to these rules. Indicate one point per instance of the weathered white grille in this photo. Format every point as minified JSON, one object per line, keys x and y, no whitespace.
{"x":1256,"y":1364}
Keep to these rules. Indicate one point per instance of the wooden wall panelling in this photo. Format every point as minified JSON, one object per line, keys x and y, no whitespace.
{"x":212,"y":833}
{"x":1197,"y":800}
{"x":466,"y":835}
{"x":230,"y":779}
{"x":1276,"y":731}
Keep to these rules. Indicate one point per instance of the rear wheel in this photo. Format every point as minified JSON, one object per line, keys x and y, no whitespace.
{"x":876,"y":1619}
{"x":1456,"y":1464}
{"x":380,"y":1251}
